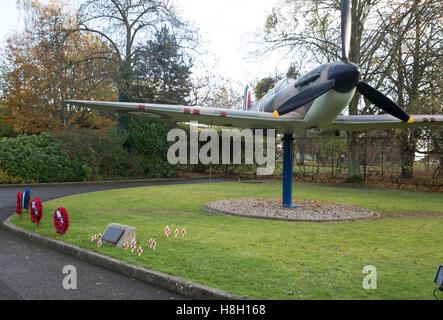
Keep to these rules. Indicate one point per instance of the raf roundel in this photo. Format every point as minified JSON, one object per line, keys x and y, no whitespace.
{"x":61,"y":220}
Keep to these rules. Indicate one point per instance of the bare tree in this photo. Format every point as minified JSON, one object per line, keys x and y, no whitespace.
{"x":415,"y":68}
{"x":126,"y":25}
{"x":310,"y":31}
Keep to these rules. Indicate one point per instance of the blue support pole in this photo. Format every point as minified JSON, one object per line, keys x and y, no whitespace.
{"x":287,"y":171}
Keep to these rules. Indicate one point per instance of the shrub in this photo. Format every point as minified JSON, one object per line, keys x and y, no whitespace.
{"x":38,"y":158}
{"x":5,"y":178}
{"x":147,"y":142}
{"x":102,"y":152}
{"x":354,"y":179}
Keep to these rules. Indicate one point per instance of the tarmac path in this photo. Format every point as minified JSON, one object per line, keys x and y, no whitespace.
{"x":33,"y":272}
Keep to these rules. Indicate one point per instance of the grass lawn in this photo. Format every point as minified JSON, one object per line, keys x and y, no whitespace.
{"x":265,"y":259}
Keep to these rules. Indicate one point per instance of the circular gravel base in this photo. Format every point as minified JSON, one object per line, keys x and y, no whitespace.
{"x":307,"y":210}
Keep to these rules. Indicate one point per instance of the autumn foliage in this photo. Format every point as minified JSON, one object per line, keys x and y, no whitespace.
{"x":43,"y":70}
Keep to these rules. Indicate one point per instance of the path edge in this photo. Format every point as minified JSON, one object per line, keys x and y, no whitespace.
{"x":189,"y":289}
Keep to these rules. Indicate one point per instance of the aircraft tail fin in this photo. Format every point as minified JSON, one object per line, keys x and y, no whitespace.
{"x":247,"y":103}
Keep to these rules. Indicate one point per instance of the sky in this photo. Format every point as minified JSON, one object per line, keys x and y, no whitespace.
{"x":9,"y":18}
{"x":226,"y":30}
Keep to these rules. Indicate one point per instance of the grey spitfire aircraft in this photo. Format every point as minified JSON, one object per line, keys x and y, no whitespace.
{"x":313,"y":102}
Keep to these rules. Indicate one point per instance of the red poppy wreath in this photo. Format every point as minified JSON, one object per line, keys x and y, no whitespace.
{"x":36,"y":210}
{"x":19,"y":208}
{"x":61,"y":220}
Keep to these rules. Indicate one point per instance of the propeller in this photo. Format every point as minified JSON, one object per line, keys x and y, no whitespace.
{"x":383,"y":102}
{"x":343,"y":77}
{"x":304,"y":97}
{"x":346,"y":23}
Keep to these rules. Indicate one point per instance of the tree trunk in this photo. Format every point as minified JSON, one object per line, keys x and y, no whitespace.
{"x":300,"y":142}
{"x":353,"y":158}
{"x":409,"y":137}
{"x":408,"y":144}
{"x":123,"y":95}
{"x":407,"y":165}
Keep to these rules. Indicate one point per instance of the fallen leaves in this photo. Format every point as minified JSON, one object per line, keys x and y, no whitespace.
{"x":306,"y":210}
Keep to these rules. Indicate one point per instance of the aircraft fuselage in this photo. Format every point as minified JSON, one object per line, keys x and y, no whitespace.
{"x":326,"y":107}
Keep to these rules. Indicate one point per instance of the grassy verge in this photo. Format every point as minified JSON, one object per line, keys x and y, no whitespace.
{"x":266,"y":259}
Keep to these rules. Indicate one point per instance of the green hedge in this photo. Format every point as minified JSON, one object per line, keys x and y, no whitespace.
{"x":139,"y":151}
{"x":146,"y":140}
{"x":38,"y":158}
{"x":102,"y":152}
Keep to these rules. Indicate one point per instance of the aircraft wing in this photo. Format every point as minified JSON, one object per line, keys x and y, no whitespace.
{"x":288,"y":123}
{"x":368,"y":122}
{"x":212,"y":116}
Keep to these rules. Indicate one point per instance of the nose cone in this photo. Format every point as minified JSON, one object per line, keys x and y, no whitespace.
{"x":346,"y":75}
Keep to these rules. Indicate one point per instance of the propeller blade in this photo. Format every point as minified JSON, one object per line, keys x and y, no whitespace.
{"x":304,"y":97}
{"x":346,"y":22}
{"x":383,"y":102}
